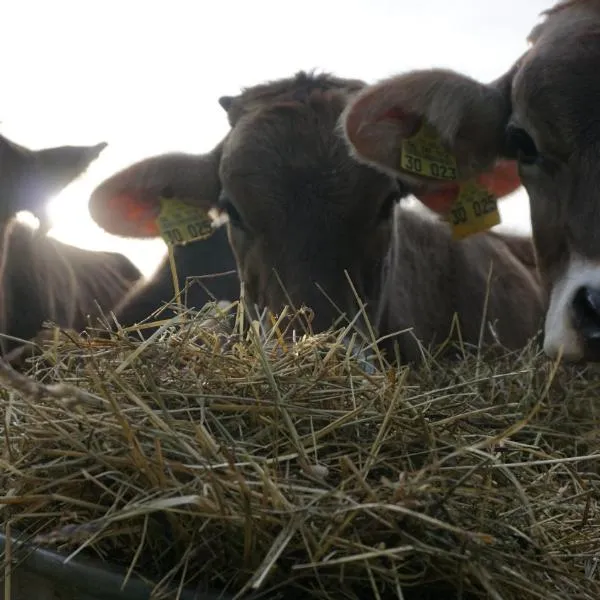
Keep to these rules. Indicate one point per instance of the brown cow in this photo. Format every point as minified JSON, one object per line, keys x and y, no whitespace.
{"x":208,"y":267}
{"x":544,"y":115}
{"x":301,"y":212}
{"x":42,"y":278}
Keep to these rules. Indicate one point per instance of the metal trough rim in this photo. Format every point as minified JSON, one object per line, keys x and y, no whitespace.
{"x":101,"y":581}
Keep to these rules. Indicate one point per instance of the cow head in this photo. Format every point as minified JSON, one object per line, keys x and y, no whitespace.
{"x":303,"y":215}
{"x":543,"y":117}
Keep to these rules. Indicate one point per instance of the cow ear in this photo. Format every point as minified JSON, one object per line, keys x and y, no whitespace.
{"x":233,"y":106}
{"x":39,"y":175}
{"x":128,"y":203}
{"x":57,"y":167}
{"x":500,"y":181}
{"x":129,"y":213}
{"x":428,"y":126}
{"x":45,"y":173}
{"x":226,"y":102}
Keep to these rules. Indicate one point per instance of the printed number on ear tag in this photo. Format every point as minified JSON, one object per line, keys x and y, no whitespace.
{"x":475,"y":210}
{"x":180,"y":223}
{"x":425,"y":154}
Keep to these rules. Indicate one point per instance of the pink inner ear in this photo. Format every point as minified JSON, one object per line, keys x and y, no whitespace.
{"x":395,"y":113}
{"x":132,"y":215}
{"x":503,"y":179}
{"x":376,"y":126}
{"x":372,"y":109}
{"x":441,"y":199}
{"x":407,"y":123}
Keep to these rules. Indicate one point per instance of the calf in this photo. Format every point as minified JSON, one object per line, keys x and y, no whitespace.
{"x":303,"y":213}
{"x":543,"y":116}
{"x":42,"y":278}
{"x":209,"y":265}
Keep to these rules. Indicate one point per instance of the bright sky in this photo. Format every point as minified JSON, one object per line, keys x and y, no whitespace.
{"x":145,"y":75}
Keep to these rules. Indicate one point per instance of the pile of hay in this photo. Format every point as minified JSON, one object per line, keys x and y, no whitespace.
{"x":285,"y":467}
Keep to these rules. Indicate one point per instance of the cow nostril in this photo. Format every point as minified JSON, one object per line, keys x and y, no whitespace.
{"x":586,"y":307}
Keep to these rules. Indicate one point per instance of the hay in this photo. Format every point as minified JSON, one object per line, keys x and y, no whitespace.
{"x":248,"y":467}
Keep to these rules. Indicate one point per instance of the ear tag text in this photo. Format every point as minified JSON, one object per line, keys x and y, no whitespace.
{"x":475,"y":210}
{"x":424,"y":154}
{"x":180,"y":223}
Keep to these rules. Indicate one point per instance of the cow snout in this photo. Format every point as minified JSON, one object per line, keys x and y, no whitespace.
{"x":586,"y":316}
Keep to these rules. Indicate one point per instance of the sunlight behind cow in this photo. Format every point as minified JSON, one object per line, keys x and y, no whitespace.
{"x":154,"y":88}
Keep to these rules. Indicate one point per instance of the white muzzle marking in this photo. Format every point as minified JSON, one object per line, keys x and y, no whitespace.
{"x":560,"y":333}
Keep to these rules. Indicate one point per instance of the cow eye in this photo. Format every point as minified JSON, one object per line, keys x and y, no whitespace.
{"x":521,"y":146}
{"x":228,"y":207}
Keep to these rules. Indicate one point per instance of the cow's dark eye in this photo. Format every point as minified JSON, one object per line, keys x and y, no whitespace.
{"x":520,"y":146}
{"x":387,"y":206}
{"x":227,"y":206}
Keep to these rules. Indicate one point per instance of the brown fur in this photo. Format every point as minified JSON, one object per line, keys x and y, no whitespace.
{"x":555,"y":97}
{"x":306,"y":216}
{"x":522,"y":247}
{"x":283,"y":90}
{"x":300,"y":206}
{"x":565,"y":4}
{"x":42,"y":278}
{"x":62,"y":284}
{"x":209,"y":264}
{"x":545,"y":106}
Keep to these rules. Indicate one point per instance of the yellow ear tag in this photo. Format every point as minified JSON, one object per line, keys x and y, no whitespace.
{"x":180,"y":223}
{"x":424,"y":154}
{"x":474,"y":211}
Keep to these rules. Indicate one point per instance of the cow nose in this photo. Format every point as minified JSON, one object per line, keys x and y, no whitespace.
{"x":586,"y":312}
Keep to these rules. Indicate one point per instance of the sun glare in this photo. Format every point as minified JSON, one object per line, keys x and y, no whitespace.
{"x":158,"y":91}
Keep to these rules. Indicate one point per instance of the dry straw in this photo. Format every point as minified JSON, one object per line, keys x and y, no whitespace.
{"x":256,"y":467}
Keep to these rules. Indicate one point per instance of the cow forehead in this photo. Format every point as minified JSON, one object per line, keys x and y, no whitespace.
{"x":556,"y":88}
{"x":294,"y":152}
{"x":302,"y":85}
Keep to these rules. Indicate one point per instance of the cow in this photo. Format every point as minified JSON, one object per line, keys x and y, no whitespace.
{"x":303,"y":217}
{"x":43,"y":279}
{"x":208,"y":267}
{"x":543,"y":117}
